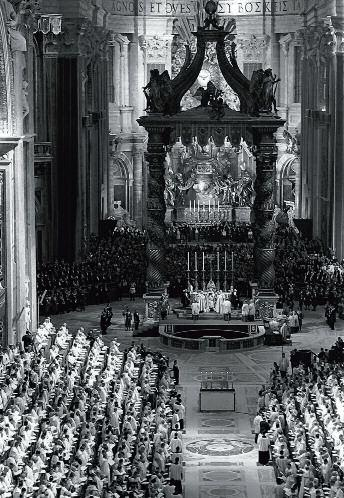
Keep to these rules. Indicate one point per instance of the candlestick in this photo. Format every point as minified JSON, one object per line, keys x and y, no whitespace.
{"x":225,"y":260}
{"x":195,"y":261}
{"x":188,"y":261}
{"x":203,"y":261}
{"x":233,"y":269}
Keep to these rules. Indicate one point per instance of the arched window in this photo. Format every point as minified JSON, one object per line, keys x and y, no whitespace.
{"x":121,"y":183}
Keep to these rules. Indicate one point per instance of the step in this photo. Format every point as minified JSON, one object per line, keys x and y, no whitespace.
{"x":236,"y":315}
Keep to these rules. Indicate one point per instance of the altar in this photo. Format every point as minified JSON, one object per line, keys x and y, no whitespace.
{"x":213,"y":300}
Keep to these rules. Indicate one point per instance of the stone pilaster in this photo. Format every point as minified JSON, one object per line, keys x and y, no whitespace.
{"x":114,"y":112}
{"x":156,"y":209}
{"x":137,"y":156}
{"x":136,"y":81}
{"x":125,"y":108}
{"x":286,"y":77}
{"x":265,"y":152}
{"x":337,"y":107}
{"x":323,"y":129}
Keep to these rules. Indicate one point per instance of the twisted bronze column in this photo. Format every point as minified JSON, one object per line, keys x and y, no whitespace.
{"x":156,"y":209}
{"x":263,"y":226}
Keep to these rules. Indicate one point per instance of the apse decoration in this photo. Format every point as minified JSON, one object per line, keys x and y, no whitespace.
{"x":204,"y":184}
{"x":204,"y":129}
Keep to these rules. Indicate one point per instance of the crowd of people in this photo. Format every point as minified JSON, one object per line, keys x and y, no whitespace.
{"x":79,"y":418}
{"x":299,"y":424}
{"x":211,"y":232}
{"x":113,"y":267}
{"x":306,"y":272}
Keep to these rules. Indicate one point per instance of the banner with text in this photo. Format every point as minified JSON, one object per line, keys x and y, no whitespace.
{"x":177,"y":8}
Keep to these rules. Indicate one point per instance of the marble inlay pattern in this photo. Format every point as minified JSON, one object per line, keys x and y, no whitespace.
{"x":218,"y":431}
{"x":222,"y":464}
{"x":218,"y":422}
{"x":222,"y":492}
{"x":224,"y":447}
{"x":220,"y":475}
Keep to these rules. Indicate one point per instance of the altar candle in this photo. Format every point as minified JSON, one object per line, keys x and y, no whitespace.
{"x":218,"y":260}
{"x":190,"y":205}
{"x":197,"y":205}
{"x":232,"y":261}
{"x":203,"y":260}
{"x":189,"y":259}
{"x":218,"y":206}
{"x":225,"y":260}
{"x":194,"y":205}
{"x":209,"y":205}
{"x":195,"y":261}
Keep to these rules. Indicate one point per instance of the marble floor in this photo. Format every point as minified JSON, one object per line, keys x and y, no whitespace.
{"x":219,"y":451}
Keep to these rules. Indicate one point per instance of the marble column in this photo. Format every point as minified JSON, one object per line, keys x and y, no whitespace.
{"x":156,"y":209}
{"x":265,"y":152}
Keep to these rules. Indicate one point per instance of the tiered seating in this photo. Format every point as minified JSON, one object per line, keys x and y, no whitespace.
{"x":306,"y":425}
{"x":81,"y":419}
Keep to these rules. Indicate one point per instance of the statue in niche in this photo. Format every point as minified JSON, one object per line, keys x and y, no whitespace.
{"x":159,"y":93}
